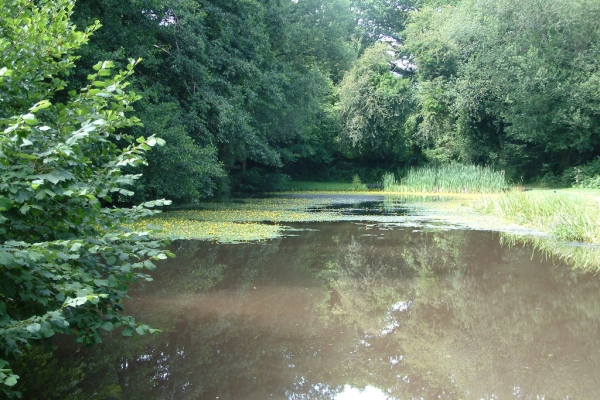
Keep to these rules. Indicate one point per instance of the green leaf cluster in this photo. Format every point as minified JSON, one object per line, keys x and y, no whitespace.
{"x":65,"y":260}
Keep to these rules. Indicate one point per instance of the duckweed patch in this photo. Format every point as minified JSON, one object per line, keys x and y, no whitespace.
{"x":262,"y":219}
{"x":239,"y":221}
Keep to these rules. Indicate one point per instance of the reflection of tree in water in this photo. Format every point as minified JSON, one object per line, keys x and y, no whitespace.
{"x":417,"y":314}
{"x":475,"y":317}
{"x":361,"y":285}
{"x":512,"y":323}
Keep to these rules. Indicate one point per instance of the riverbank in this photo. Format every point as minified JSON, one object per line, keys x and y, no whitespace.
{"x":569,"y":219}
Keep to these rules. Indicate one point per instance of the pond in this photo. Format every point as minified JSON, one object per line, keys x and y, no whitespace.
{"x":354,"y":310}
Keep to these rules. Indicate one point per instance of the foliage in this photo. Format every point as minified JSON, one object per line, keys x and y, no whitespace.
{"x":357,"y":184}
{"x":373,"y":105}
{"x":256,"y":180}
{"x":181,"y":170}
{"x":229,"y":81}
{"x":382,"y":19}
{"x":511,"y":83}
{"x":65,"y":260}
{"x":589,"y":183}
{"x":453,"y":178}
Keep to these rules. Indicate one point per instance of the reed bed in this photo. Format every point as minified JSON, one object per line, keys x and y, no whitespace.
{"x":452,"y":178}
{"x":565,"y":216}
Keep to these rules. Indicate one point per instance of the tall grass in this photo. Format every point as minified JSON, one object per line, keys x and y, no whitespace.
{"x":566,"y":217}
{"x":580,"y":258}
{"x":388,"y":181}
{"x":453,"y":178}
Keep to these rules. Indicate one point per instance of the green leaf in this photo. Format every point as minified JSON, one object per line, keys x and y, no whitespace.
{"x":127,"y":331}
{"x":5,"y":72}
{"x":34,"y":328}
{"x":5,"y":204}
{"x":58,"y":175}
{"x":11,"y":380}
{"x":108,"y":326}
{"x":74,"y":302}
{"x":100,"y":282}
{"x":29,"y":119}
{"x":40,"y":105}
{"x":6,"y":258}
{"x":75,"y":247}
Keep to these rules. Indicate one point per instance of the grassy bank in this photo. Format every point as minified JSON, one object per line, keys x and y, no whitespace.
{"x":304,"y":186}
{"x":570,"y":218}
{"x":566,"y":215}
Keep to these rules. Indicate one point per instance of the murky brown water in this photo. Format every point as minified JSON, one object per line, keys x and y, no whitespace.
{"x":356,"y":311}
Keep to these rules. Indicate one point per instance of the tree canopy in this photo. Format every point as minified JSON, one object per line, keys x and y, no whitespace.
{"x":245,"y":91}
{"x":515,"y":82}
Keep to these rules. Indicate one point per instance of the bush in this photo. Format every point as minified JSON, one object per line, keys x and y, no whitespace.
{"x":256,"y":180}
{"x":66,"y":261}
{"x":581,"y":176}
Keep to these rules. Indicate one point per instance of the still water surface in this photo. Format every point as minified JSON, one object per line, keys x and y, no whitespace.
{"x":349,"y":310}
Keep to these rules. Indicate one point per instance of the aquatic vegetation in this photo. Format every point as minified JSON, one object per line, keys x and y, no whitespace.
{"x":452,"y":178}
{"x":579,"y":256}
{"x":388,"y":181}
{"x":237,"y":221}
{"x":545,"y":218}
{"x":571,"y":219}
{"x":566,"y":216}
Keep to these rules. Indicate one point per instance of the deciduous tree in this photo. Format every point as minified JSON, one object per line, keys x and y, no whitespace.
{"x":66,"y":259}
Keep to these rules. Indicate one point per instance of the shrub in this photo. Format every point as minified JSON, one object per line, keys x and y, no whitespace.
{"x":66,"y":261}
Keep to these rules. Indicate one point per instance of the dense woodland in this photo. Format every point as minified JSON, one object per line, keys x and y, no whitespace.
{"x":249,"y":93}
{"x":243,"y":95}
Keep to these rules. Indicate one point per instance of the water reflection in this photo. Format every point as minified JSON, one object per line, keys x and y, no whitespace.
{"x":352,"y":311}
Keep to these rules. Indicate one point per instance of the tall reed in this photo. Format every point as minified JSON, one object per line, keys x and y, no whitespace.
{"x":453,"y":178}
{"x":388,"y":181}
{"x":565,"y":217}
